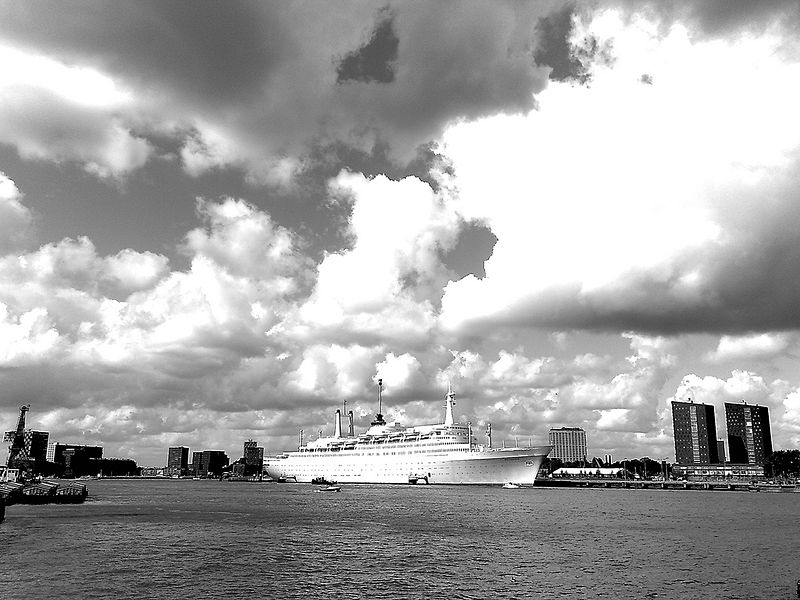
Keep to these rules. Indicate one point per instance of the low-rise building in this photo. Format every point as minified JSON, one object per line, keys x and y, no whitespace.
{"x":735,"y":471}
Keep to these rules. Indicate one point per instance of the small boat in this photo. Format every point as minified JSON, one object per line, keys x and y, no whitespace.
{"x":322,"y":481}
{"x":332,"y":488}
{"x":510,"y":486}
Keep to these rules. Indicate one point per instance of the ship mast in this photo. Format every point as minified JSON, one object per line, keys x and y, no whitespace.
{"x":379,"y":417}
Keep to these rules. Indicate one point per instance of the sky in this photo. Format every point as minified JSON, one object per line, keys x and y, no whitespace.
{"x":222,"y":221}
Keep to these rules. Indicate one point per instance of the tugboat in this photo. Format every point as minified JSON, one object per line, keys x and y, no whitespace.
{"x":321,"y":481}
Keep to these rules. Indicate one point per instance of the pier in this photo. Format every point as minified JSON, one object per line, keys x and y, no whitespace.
{"x":649,"y":484}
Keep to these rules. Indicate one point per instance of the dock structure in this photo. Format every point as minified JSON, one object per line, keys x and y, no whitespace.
{"x":650,"y":484}
{"x":41,"y":492}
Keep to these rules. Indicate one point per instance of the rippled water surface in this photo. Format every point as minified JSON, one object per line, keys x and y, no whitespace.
{"x":208,"y":539}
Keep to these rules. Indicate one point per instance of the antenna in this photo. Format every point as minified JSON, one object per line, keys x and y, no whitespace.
{"x":379,"y":417}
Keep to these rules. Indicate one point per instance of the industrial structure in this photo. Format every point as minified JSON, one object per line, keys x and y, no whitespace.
{"x":18,"y":457}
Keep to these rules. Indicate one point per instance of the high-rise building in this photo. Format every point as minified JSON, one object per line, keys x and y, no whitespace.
{"x":197,"y":458}
{"x":695,"y":432}
{"x":721,"y":451}
{"x":248,"y":444}
{"x":569,"y":444}
{"x":209,"y":463}
{"x":749,"y":434}
{"x":253,"y":454}
{"x":177,"y":461}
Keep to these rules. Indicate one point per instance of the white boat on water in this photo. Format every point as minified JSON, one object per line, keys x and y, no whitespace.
{"x":510,"y":486}
{"x":444,"y":453}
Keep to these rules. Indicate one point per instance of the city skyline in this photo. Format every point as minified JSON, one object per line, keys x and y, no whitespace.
{"x":226,"y":226}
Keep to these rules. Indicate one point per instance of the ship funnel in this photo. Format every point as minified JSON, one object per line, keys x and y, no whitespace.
{"x":338,"y":424}
{"x":451,"y":400}
{"x":350,"y":431}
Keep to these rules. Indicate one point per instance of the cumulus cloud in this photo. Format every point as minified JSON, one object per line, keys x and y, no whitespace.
{"x":662,"y":229}
{"x":383,"y":286}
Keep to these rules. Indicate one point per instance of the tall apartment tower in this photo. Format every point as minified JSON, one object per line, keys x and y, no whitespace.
{"x":178,"y":460}
{"x":749,"y":434}
{"x":695,"y":432}
{"x":568,"y":443}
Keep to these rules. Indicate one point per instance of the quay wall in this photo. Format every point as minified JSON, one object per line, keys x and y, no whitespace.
{"x":741,"y":486}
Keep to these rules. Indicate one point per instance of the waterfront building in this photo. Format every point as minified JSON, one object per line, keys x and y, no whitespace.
{"x":736,"y":472}
{"x":35,"y":443}
{"x":695,"y":433}
{"x":209,"y":463}
{"x":749,"y":434}
{"x":253,"y":456}
{"x":568,"y":443}
{"x":51,"y":452}
{"x":152,"y":471}
{"x":178,"y":461}
{"x":587,"y":472}
{"x":721,"y":451}
{"x":197,"y":457}
{"x":75,"y":458}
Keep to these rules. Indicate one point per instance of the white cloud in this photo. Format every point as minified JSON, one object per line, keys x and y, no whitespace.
{"x":623,"y":204}
{"x":55,"y":111}
{"x":750,"y":347}
{"x":384,"y":284}
{"x":15,"y":218}
{"x":30,"y":337}
{"x":135,"y":270}
{"x":246,"y":242}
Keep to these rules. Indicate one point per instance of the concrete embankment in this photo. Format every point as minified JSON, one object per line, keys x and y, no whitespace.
{"x":741,"y":486}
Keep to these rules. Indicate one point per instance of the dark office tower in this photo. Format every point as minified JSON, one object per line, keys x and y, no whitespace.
{"x":211,"y":463}
{"x":178,"y":461}
{"x":695,"y":432}
{"x":249,"y":444}
{"x":197,"y":458}
{"x":749,"y":435}
{"x":253,"y":455}
{"x":721,"y":450}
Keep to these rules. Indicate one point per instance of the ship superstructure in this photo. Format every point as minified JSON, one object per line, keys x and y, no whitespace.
{"x":391,"y":453}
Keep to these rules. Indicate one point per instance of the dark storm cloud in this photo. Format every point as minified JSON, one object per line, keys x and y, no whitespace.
{"x":251,"y":86}
{"x":207,"y":49}
{"x":569,"y":61}
{"x":374,"y":60}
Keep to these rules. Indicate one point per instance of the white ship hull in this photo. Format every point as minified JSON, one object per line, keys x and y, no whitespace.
{"x":440,"y":453}
{"x":487,"y":467}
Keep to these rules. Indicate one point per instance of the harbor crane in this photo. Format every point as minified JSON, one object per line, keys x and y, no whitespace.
{"x":17,"y":454}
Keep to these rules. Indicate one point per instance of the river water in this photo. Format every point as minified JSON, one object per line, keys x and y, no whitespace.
{"x":177,"y":539}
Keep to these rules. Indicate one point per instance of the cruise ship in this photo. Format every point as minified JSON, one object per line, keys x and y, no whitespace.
{"x":444,"y":453}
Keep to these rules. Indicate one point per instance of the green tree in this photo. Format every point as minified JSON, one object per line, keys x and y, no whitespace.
{"x":783,"y":463}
